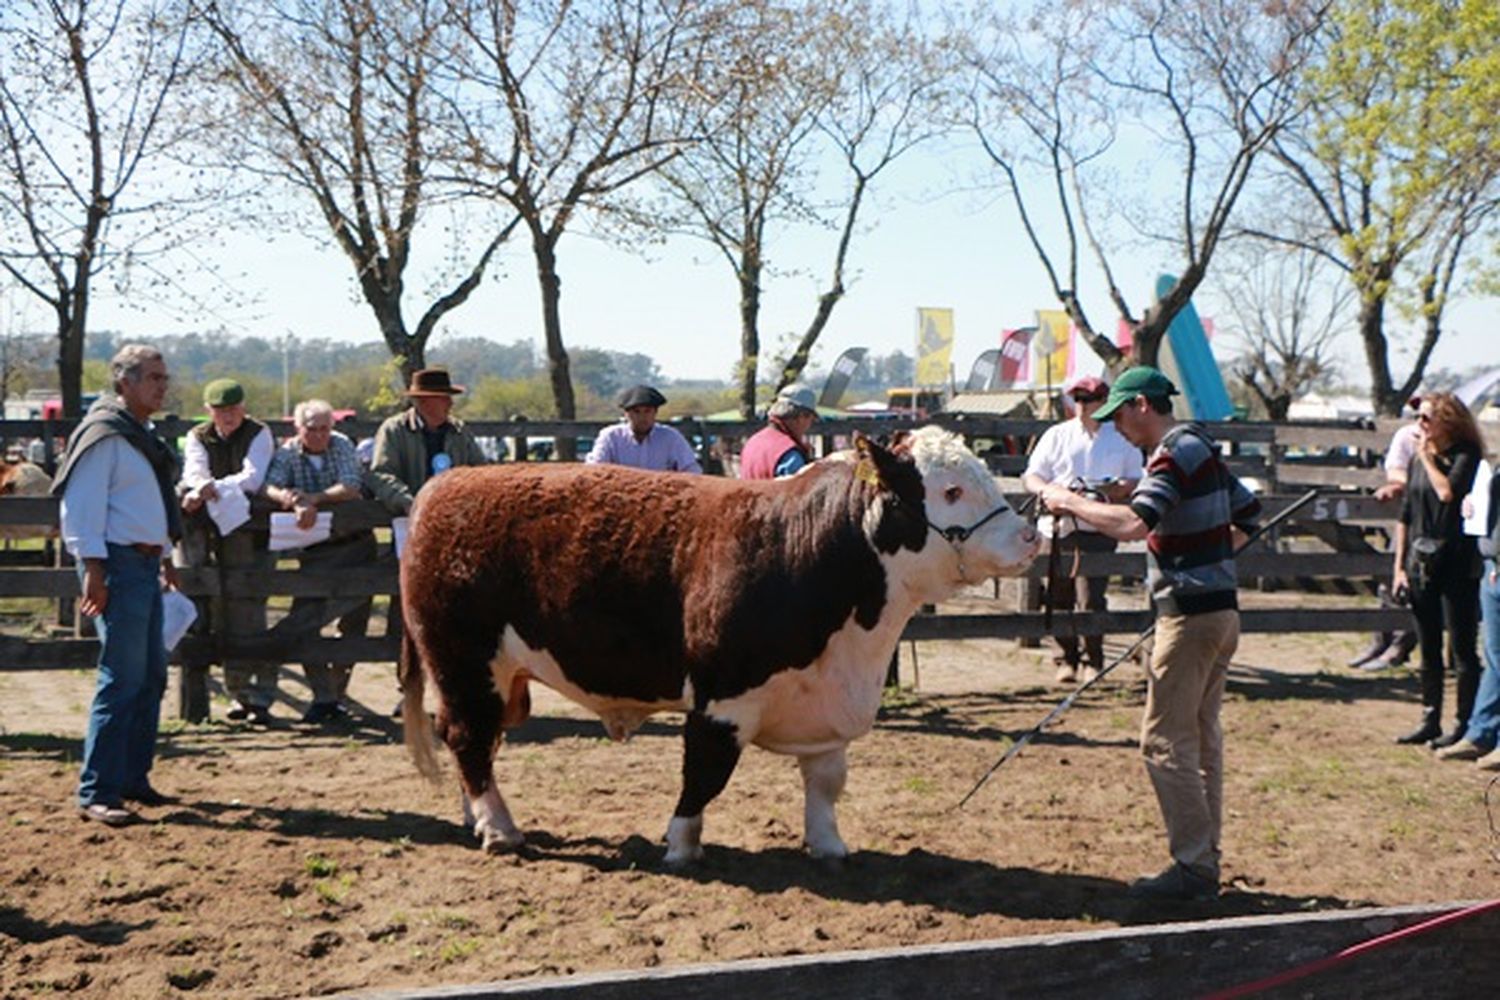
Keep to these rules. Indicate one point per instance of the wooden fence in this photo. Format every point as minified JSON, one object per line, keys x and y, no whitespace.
{"x":1286,"y":458}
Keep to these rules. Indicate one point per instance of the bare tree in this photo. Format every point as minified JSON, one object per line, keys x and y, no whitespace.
{"x":807,"y":85}
{"x":84,"y":86}
{"x":348,"y":102}
{"x":1202,"y":86}
{"x":1287,"y":312}
{"x":1398,"y":161}
{"x":569,"y":105}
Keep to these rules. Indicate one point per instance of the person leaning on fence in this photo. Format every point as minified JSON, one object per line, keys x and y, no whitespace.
{"x":229,"y":453}
{"x":639,"y":441}
{"x":1186,"y":506}
{"x":1081,"y":453}
{"x":421,"y":442}
{"x":1481,"y":740}
{"x":1437,"y":564}
{"x":119,"y":520}
{"x":1391,"y":649}
{"x":780,"y":448}
{"x":317,"y":469}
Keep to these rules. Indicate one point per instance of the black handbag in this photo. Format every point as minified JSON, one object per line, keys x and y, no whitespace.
{"x":1424,"y":554}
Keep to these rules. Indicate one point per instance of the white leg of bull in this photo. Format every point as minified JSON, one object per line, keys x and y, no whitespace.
{"x":684,"y":841}
{"x":496,"y":831}
{"x":823,"y":777}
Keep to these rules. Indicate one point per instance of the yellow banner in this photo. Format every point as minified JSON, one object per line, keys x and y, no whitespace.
{"x":1053,"y":344}
{"x":934,"y":345}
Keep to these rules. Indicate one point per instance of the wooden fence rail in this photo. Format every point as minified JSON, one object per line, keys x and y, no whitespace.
{"x":1286,"y":457}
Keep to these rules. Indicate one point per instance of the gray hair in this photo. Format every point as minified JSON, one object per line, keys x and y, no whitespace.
{"x":128,"y":361}
{"x":309,"y":408}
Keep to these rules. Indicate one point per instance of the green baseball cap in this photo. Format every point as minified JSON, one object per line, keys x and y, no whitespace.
{"x":1142,"y":380}
{"x":223,"y":392}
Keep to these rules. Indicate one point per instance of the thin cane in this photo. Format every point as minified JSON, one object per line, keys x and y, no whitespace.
{"x":1150,"y":630}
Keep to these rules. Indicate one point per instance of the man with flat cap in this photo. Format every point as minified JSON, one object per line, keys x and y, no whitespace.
{"x":780,"y":448}
{"x":1187,"y":507}
{"x":229,"y":453}
{"x":639,"y":441}
{"x":418,"y":443}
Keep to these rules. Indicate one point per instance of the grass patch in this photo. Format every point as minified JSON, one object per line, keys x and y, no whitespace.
{"x":320,"y":867}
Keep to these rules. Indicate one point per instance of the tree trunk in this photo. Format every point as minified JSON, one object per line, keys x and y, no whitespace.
{"x":749,"y":333}
{"x":1383,"y":396}
{"x":557,"y":355}
{"x":70,"y":358}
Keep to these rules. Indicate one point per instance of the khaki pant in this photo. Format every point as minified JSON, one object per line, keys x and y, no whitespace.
{"x":329,"y":681}
{"x":1181,"y":738}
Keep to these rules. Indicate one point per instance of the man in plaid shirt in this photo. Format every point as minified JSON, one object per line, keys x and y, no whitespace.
{"x":317,"y":468}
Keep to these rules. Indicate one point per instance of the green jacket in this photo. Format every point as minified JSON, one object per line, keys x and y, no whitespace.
{"x":400,"y":465}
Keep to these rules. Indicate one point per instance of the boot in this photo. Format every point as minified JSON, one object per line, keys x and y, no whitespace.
{"x":1428,"y":730}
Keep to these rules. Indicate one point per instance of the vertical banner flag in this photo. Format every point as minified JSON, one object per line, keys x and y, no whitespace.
{"x":1054,"y":347}
{"x":1015,"y":357}
{"x":934,"y":345}
{"x":839,"y":375}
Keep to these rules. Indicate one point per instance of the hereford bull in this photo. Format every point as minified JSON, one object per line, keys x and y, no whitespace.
{"x":766,"y":611}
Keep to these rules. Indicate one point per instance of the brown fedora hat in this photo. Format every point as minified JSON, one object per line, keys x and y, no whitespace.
{"x":432,"y":382}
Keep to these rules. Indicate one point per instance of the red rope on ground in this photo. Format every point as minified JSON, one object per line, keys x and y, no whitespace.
{"x":1353,"y":951}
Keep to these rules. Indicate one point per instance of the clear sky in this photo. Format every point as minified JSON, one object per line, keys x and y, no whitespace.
{"x":678,"y":303}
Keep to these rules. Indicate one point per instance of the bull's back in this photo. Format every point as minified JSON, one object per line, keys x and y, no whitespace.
{"x":585,"y":563}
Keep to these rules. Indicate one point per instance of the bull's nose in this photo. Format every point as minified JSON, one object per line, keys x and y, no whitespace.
{"x":1029,"y":536}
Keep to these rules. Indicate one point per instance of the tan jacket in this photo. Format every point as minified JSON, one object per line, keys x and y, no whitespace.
{"x":400,"y":465}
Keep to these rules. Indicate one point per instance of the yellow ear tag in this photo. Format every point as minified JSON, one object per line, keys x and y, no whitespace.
{"x":865,"y":471}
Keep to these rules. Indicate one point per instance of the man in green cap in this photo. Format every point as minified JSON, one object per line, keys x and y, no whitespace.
{"x":1186,"y":506}
{"x":229,"y":453}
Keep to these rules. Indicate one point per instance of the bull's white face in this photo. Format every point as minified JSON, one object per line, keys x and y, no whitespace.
{"x":960,"y":492}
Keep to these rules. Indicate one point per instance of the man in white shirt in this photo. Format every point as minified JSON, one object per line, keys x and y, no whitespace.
{"x":119,"y":519}
{"x":1081,"y":454}
{"x":228,"y":454}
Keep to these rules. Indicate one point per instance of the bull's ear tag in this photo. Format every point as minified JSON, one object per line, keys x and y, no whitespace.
{"x":865,"y":471}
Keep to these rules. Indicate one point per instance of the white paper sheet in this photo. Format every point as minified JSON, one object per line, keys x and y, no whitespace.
{"x":229,"y":510}
{"x":400,"y":526}
{"x":1478,"y":502}
{"x":286,"y":535}
{"x":178,"y":614}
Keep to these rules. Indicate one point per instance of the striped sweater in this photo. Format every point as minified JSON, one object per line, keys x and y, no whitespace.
{"x":1189,"y":500}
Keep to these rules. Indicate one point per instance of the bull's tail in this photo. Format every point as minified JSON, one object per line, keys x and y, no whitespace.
{"x":414,"y":721}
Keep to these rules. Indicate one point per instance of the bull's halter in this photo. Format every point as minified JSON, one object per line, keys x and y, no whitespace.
{"x":956,"y":534}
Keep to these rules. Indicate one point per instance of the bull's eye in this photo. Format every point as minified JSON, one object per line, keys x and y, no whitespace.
{"x":952,"y":493}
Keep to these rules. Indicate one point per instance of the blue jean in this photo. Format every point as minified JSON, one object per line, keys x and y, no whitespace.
{"x":1484,"y":722}
{"x":121,"y":741}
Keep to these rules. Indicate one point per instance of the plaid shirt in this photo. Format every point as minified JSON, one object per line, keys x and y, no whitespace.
{"x":290,"y":467}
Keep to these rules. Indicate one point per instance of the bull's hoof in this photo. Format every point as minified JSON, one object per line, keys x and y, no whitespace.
{"x":680,"y":859}
{"x":494,"y":842}
{"x":833,"y":853}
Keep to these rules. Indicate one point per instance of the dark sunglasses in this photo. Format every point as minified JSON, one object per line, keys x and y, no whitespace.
{"x":1095,"y":398}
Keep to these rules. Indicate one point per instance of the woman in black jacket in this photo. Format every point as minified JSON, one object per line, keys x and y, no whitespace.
{"x":1437,"y":564}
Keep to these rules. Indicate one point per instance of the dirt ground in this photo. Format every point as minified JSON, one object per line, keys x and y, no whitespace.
{"x":302,"y":861}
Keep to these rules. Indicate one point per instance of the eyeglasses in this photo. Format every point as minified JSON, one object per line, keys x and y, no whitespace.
{"x":1089,"y":399}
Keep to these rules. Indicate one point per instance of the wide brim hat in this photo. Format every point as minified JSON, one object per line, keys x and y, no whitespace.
{"x":640,"y":395}
{"x":432,"y":382}
{"x":1142,"y":380}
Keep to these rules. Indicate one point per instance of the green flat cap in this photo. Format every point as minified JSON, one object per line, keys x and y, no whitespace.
{"x":1142,"y":380}
{"x":223,"y":392}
